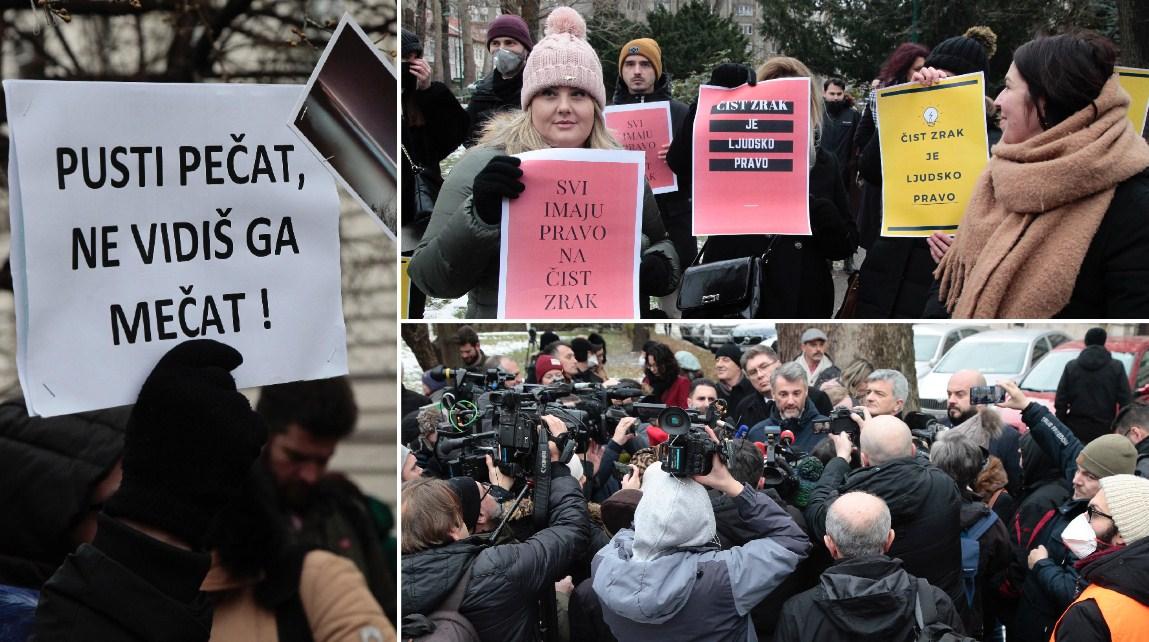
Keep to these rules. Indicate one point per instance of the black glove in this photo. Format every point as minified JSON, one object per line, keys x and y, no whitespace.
{"x":498,"y":180}
{"x":190,"y":442}
{"x":653,"y":272}
{"x":731,"y":75}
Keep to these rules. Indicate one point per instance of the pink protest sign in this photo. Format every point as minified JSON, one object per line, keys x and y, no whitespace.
{"x":645,"y":127}
{"x":570,"y":243}
{"x":751,"y":159}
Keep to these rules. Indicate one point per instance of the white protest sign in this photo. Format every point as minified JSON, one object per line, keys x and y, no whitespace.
{"x":144,"y":215}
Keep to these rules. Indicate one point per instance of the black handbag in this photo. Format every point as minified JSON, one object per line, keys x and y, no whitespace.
{"x":426,"y":191}
{"x":730,"y":289}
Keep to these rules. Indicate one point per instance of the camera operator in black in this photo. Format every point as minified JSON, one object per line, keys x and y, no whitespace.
{"x":603,"y":484}
{"x":500,"y":598}
{"x":792,"y":409}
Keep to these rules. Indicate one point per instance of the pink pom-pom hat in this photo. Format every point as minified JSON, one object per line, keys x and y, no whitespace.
{"x":564,"y":59}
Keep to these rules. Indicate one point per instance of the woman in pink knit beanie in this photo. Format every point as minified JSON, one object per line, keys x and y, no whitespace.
{"x":562,"y":98}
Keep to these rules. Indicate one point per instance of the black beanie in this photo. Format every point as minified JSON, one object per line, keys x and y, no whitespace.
{"x":410,"y":43}
{"x":729,"y":350}
{"x":959,"y":55}
{"x":1096,"y":337}
{"x":547,"y":338}
{"x":467,"y":491}
{"x":581,"y":348}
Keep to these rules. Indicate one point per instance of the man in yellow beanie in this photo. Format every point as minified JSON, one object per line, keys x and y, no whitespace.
{"x":1116,"y":602}
{"x":641,"y":79}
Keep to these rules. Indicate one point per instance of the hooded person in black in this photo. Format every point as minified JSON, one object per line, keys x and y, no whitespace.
{"x":1091,"y":389}
{"x":865,"y":594}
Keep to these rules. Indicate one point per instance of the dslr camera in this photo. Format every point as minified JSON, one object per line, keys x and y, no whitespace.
{"x":841,"y":421}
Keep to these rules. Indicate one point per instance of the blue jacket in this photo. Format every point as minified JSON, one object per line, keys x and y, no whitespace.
{"x":805,"y":439}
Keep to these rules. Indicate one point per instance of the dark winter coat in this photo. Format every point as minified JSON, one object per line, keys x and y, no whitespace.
{"x":698,"y":594}
{"x":753,"y":408}
{"x":798,"y":282}
{"x":736,"y":394}
{"x":925,"y":507}
{"x":1092,"y":387}
{"x":805,"y":439}
{"x":126,"y":586}
{"x":48,"y":468}
{"x":1051,"y":584}
{"x":675,"y":206}
{"x":501,"y":598}
{"x":1045,"y":488}
{"x":444,"y":124}
{"x":459,"y":253}
{"x":1143,"y":458}
{"x":838,"y":134}
{"x":866,"y":598}
{"x":994,"y":556}
{"x":1123,"y":571}
{"x":493,"y":94}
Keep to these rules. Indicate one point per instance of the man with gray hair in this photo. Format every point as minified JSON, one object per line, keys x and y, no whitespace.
{"x":888,"y":391}
{"x":792,"y":409}
{"x":924,"y":502}
{"x":865,"y":592}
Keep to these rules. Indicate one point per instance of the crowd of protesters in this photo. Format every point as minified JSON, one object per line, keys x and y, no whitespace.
{"x":899,"y":525}
{"x":1052,"y":229}
{"x":192,"y":516}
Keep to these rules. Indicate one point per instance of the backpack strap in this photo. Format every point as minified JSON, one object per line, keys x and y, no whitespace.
{"x":455,"y":598}
{"x":981,"y":526}
{"x":1040,"y":525}
{"x":925,"y":611}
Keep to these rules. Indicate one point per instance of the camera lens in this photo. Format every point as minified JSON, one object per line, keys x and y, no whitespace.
{"x":674,"y":421}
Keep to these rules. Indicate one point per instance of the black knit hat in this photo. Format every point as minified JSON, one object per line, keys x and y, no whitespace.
{"x":468,"y":493}
{"x":729,"y":350}
{"x":963,"y":54}
{"x":410,"y":43}
{"x":547,"y":338}
{"x":581,"y":348}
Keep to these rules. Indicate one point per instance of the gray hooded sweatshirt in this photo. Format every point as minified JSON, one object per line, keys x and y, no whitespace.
{"x":698,"y":593}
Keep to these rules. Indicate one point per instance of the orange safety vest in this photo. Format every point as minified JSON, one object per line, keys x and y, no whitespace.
{"x":1127,"y":619}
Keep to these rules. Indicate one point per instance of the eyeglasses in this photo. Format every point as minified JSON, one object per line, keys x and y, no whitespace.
{"x":1091,"y":510}
{"x":761,"y":369}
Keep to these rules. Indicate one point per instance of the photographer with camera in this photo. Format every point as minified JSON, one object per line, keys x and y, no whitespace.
{"x":604,"y":482}
{"x":1063,"y":536}
{"x":792,"y":409}
{"x":924,"y":502}
{"x":667,"y":578}
{"x":502,"y":583}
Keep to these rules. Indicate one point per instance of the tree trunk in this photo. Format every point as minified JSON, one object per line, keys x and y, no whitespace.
{"x":447,"y":344}
{"x":417,"y":338}
{"x":421,"y":20}
{"x":886,"y":345}
{"x":531,"y":15}
{"x":1133,"y":30}
{"x":639,"y":335}
{"x":445,"y":40}
{"x":468,"y":44}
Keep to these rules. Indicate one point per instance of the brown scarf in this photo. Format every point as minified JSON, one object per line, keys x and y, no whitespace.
{"x":1020,"y":247}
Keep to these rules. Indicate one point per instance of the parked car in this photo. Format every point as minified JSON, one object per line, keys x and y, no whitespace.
{"x":932,"y":341}
{"x":997,"y":354}
{"x":694,"y":333}
{"x":1040,"y":384}
{"x":716,"y":334}
{"x":753,"y":333}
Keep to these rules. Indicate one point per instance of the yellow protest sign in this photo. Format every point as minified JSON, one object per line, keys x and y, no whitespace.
{"x":404,"y":286}
{"x":1136,"y":82}
{"x":934,"y":146}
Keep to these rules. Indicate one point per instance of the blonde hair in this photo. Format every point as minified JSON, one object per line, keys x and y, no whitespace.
{"x":786,"y":67}
{"x":513,"y":132}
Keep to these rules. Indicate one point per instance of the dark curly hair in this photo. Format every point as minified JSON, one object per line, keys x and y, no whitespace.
{"x":663,"y":358}
{"x":896,"y":67}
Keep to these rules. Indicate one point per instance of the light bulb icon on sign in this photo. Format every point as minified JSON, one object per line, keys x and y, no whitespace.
{"x":930,"y":115}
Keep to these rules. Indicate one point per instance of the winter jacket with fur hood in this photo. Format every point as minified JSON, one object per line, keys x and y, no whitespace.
{"x":459,"y":253}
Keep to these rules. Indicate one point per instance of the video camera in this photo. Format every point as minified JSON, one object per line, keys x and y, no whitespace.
{"x":779,"y":459}
{"x":603,"y":416}
{"x":469,"y":383}
{"x":924,"y":428}
{"x":689,"y":450}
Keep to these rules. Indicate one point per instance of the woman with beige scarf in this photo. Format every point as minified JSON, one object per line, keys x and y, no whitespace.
{"x":1058,"y":225}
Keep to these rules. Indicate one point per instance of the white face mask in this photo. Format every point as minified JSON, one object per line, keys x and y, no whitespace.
{"x":1079,"y":537}
{"x":592,"y":361}
{"x":508,"y":62}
